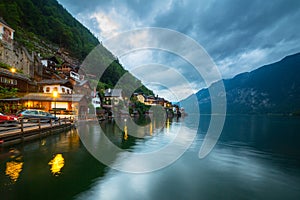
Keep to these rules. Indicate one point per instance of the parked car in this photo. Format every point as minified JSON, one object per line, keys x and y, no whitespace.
{"x":34,"y":115}
{"x":7,"y":120}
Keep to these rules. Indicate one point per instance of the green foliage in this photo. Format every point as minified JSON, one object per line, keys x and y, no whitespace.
{"x":50,"y":21}
{"x":8,"y":67}
{"x":115,"y":76}
{"x":138,"y":106}
{"x":143,"y":89}
{"x":8,"y":92}
{"x":5,"y":66}
{"x":113,"y":73}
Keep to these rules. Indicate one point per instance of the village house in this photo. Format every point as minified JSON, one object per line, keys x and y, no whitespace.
{"x":66,"y":68}
{"x":83,"y":87}
{"x":96,"y":101}
{"x":112,"y":97}
{"x":10,"y":80}
{"x":63,"y":104}
{"x":150,"y":101}
{"x":50,"y":62}
{"x":141,"y":98}
{"x":62,"y":86}
{"x":17,"y":56}
{"x":6,"y":32}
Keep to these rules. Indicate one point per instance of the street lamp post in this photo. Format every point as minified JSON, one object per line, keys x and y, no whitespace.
{"x":55,"y":94}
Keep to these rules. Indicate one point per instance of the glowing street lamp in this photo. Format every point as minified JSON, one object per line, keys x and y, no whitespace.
{"x":13,"y":70}
{"x":55,"y":94}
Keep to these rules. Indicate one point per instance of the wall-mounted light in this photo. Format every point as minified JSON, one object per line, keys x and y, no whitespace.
{"x":13,"y":70}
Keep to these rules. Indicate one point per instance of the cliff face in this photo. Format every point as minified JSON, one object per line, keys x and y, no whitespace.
{"x":18,"y":57}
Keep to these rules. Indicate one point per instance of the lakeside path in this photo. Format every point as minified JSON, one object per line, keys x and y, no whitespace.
{"x":11,"y":135}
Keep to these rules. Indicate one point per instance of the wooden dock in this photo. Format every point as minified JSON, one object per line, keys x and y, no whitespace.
{"x":24,"y":132}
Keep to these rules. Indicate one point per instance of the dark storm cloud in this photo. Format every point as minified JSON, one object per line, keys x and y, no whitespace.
{"x":239,"y":35}
{"x":228,"y":28}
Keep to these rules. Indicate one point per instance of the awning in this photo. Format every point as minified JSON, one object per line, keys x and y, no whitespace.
{"x":49,"y":97}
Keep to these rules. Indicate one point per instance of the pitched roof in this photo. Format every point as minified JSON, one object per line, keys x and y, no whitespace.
{"x":113,"y":93}
{"x":16,"y":75}
{"x":4,"y":22}
{"x":49,"y":97}
{"x":81,"y":83}
{"x":53,"y":82}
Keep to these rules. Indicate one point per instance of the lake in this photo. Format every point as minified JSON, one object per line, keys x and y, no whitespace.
{"x":256,"y":157}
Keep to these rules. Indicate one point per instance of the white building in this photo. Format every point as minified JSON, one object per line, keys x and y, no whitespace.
{"x":61,"y":86}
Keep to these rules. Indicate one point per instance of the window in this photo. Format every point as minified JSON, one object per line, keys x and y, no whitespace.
{"x":47,"y":89}
{"x":63,"y":90}
{"x":33,"y":112}
{"x":55,"y":89}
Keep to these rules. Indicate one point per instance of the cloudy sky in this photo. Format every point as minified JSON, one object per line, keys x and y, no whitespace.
{"x":238,"y":36}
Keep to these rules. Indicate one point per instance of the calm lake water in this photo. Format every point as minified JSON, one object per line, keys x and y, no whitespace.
{"x":256,"y":157}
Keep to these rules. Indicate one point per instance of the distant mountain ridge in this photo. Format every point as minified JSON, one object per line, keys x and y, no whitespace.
{"x":273,"y":88}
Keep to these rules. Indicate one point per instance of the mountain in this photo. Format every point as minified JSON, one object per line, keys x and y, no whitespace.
{"x":273,"y":88}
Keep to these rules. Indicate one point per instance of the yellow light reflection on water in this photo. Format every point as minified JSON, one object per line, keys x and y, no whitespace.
{"x":168,"y":125}
{"x":125,"y":132}
{"x":13,"y":170}
{"x":151,"y":129}
{"x":57,"y":163}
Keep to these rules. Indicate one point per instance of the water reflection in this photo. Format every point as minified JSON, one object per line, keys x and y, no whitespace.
{"x":121,"y":133}
{"x":125,"y":131}
{"x":151,"y":129}
{"x":13,"y":170}
{"x":241,"y":166}
{"x":168,"y":125}
{"x":57,"y":163}
{"x":235,"y":169}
